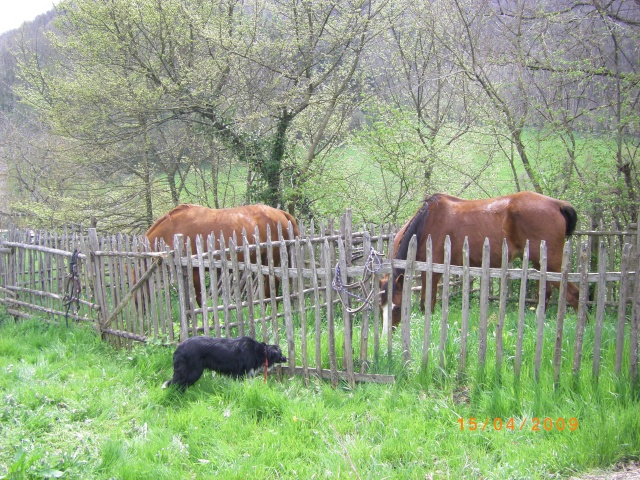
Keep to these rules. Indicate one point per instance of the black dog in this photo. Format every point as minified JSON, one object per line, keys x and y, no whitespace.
{"x":231,"y":356}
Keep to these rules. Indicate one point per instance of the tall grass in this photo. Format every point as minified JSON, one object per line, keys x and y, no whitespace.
{"x":72,"y":407}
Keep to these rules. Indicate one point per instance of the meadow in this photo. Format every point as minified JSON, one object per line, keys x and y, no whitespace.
{"x":74,"y":407}
{"x":382,"y":186}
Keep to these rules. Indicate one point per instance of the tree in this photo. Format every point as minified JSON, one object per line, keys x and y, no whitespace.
{"x":136,"y":76}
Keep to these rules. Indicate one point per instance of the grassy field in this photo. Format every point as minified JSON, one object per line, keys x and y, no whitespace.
{"x":73,"y":407}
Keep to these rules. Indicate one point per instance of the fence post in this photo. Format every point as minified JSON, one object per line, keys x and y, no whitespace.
{"x":346,"y":316}
{"x":485,"y":282}
{"x":260,"y":280}
{"x":237,"y":294}
{"x":249,"y":286}
{"x":203,"y":288}
{"x":562,"y":311}
{"x":405,"y":311}
{"x":540,"y":312}
{"x":582,"y":308}
{"x":522,"y":309}
{"x":428,"y":290}
{"x":503,"y":305}
{"x":622,"y":305}
{"x":331,"y":334}
{"x":316,"y":300}
{"x":444,"y":321}
{"x":635,"y":315}
{"x":97,"y":278}
{"x":364,"y":329}
{"x":226,"y":285}
{"x":286,"y":301}
{"x":302,"y":309}
{"x":601,"y":298}
{"x":178,"y":243}
{"x":464,"y":331}
{"x":213,"y":282}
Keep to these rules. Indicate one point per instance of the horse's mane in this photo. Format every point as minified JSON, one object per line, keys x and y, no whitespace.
{"x":416,"y":226}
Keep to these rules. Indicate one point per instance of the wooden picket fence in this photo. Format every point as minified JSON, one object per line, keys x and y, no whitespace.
{"x":326,"y":316}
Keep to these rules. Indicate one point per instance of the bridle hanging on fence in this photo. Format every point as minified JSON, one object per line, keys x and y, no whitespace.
{"x":371,"y":266}
{"x":72,"y":285}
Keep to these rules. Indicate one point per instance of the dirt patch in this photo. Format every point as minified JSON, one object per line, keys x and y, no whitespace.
{"x":626,"y":471}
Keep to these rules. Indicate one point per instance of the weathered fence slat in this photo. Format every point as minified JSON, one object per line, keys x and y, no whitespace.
{"x":226,"y":286}
{"x":485,"y":283}
{"x":98,"y":278}
{"x":236,"y":284}
{"x":585,"y":253}
{"x":521,"y":309}
{"x":260,"y":280}
{"x":203,"y":288}
{"x":272,"y":288}
{"x":376,"y":310}
{"x":541,"y":310}
{"x":444,"y":321}
{"x":428,"y":284}
{"x":248,"y":276}
{"x":330,"y":321}
{"x":635,"y":315}
{"x":347,"y":358}
{"x":178,"y":242}
{"x":286,"y":302}
{"x":502,"y":309}
{"x":213,"y":283}
{"x":622,"y":306}
{"x":600,"y":304}
{"x":166,"y":274}
{"x":405,"y":317}
{"x":364,"y":330}
{"x":562,"y":310}
{"x":316,"y":299}
{"x":302,"y":309}
{"x":464,"y":330}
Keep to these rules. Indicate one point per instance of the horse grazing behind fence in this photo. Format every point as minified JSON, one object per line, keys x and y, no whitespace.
{"x":516,"y":218}
{"x":193,"y":220}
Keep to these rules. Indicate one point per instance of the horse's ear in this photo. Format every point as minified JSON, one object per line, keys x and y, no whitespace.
{"x":399,"y":282}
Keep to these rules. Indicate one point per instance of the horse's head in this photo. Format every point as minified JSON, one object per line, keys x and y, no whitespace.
{"x":398,"y":283}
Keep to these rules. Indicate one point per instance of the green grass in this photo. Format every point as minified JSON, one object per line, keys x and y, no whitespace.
{"x":73,"y":407}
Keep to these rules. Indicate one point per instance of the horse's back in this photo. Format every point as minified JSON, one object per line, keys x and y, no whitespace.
{"x":517,"y":218}
{"x":192,"y":220}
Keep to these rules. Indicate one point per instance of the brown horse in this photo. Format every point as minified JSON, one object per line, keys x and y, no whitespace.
{"x":193,"y":220}
{"x":516,"y":218}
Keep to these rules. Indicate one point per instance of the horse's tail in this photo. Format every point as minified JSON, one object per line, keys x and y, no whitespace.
{"x":571,"y":217}
{"x":294,"y":223}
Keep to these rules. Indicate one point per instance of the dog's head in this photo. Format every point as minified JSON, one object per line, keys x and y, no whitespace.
{"x":274,"y":355}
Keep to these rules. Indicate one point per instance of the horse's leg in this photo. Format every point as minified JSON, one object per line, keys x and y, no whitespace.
{"x":423,"y":292}
{"x":572,"y":293}
{"x":435,"y":278}
{"x":196,"y":287}
{"x":555,"y":265}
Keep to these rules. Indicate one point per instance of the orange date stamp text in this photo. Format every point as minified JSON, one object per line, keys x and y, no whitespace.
{"x":534,"y":424}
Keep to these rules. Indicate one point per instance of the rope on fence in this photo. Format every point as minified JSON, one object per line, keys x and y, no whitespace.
{"x":73,"y":285}
{"x":371,"y":267}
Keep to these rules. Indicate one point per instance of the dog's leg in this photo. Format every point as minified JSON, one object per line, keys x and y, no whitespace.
{"x":193,"y":376}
